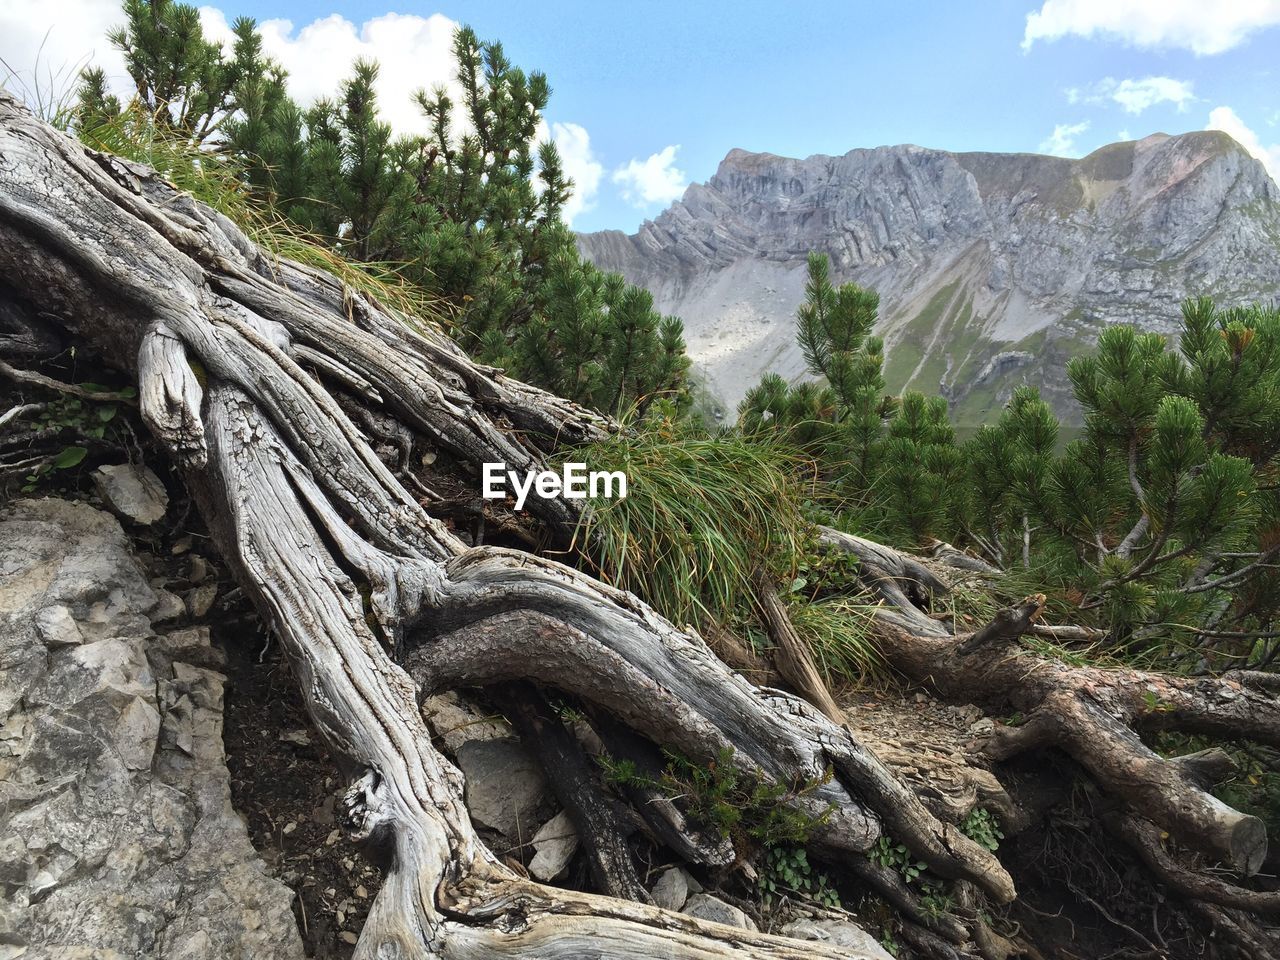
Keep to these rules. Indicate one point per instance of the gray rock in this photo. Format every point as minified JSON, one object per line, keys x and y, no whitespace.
{"x":132,"y":491}
{"x":554,"y":846}
{"x":119,"y":838}
{"x":706,"y":907}
{"x":841,"y":933}
{"x":506,"y":790}
{"x":992,"y":269}
{"x":200,"y":600}
{"x":57,"y":627}
{"x":456,"y":720}
{"x":673,"y":889}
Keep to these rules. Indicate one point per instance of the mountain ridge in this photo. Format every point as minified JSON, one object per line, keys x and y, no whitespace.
{"x":993,"y":268}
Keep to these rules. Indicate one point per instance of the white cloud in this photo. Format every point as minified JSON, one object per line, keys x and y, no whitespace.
{"x":655,"y":180}
{"x":1123,"y":135}
{"x":413,"y":53}
{"x":1196,"y":25}
{"x":1135,"y":95}
{"x":1226,"y":120}
{"x":45,"y":43}
{"x":580,"y":164}
{"x":1138,"y":95}
{"x":1062,"y":142}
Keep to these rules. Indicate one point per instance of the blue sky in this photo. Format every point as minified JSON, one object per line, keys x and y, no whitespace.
{"x":650,"y":96}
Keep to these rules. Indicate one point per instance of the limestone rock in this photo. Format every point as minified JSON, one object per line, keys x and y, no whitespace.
{"x":118,"y":838}
{"x":554,"y":846}
{"x":706,"y":907}
{"x":506,"y":790}
{"x":132,"y":491}
{"x":841,"y":933}
{"x":673,"y":888}
{"x":456,"y":720}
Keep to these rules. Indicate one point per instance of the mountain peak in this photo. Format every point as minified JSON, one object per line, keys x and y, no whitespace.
{"x":993,"y":268}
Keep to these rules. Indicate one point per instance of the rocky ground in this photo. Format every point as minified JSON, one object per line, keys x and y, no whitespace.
{"x":162,"y":792}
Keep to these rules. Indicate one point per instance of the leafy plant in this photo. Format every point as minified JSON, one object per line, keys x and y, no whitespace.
{"x":895,"y":856}
{"x":786,"y":871}
{"x":75,"y":419}
{"x":982,"y":827}
{"x":718,"y":796}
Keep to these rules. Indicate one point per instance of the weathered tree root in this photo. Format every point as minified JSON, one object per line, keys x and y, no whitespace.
{"x":238,"y":360}
{"x":1094,"y":714}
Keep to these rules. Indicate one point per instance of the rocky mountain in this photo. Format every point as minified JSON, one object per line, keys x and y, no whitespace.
{"x":993,"y":269}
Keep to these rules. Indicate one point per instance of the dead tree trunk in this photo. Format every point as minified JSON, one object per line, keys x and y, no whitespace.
{"x":239,"y":360}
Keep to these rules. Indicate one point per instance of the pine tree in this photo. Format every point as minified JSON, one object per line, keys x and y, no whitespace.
{"x":181,"y":80}
{"x":471,"y":213}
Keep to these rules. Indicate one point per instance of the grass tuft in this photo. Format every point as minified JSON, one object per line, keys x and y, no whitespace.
{"x":839,"y":632}
{"x":702,"y":517}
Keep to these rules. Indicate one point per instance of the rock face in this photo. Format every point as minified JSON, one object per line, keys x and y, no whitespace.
{"x":117,"y":835}
{"x":992,"y":269}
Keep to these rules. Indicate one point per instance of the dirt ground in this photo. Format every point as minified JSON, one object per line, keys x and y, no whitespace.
{"x":286,"y":786}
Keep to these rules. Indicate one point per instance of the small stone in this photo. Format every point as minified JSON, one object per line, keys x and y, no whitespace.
{"x":841,"y":933}
{"x":983,"y":727}
{"x":290,"y":827}
{"x":706,"y":907}
{"x":168,"y":606}
{"x":57,"y":627}
{"x":672,"y":889}
{"x":348,"y":937}
{"x":300,"y":737}
{"x":200,"y":600}
{"x":181,"y":546}
{"x":361,"y":892}
{"x":133,"y":491}
{"x":555,"y":844}
{"x":333,"y":837}
{"x":199,"y":568}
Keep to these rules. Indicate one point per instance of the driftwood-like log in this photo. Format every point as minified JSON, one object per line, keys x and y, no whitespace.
{"x":1095,"y":714}
{"x":239,"y":359}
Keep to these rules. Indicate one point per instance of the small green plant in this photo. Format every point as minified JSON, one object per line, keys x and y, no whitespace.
{"x":786,"y":871}
{"x":1155,"y":703}
{"x":718,"y":796}
{"x":982,"y":828}
{"x":76,"y":419}
{"x":936,"y":901}
{"x":895,"y":856}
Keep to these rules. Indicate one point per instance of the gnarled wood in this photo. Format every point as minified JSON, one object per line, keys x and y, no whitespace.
{"x":240,"y":358}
